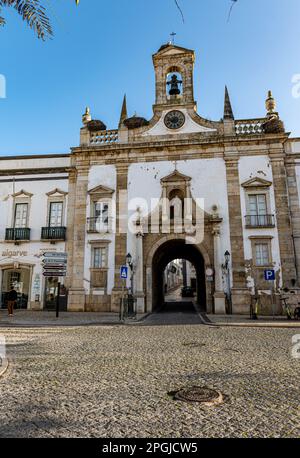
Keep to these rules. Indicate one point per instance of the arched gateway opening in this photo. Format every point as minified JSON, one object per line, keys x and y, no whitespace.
{"x":177,"y":250}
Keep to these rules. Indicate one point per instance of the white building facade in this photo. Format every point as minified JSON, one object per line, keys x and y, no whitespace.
{"x":175,"y":187}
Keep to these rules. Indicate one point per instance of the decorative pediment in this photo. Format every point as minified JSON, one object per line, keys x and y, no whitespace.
{"x":257,"y":183}
{"x":101,"y":190}
{"x":170,"y":49}
{"x":57,"y":192}
{"x":22,"y":193}
{"x":175,"y":177}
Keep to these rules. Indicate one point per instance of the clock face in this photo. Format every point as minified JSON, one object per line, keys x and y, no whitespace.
{"x":174,"y":119}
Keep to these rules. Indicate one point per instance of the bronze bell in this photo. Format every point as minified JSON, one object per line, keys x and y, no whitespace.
{"x":174,"y":83}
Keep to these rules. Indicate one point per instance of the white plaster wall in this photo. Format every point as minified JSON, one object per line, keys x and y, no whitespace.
{"x":189,"y":127}
{"x":208,"y":182}
{"x":295,"y":146}
{"x":38,"y":203}
{"x":251,"y":167}
{"x":100,"y":175}
{"x":22,"y":163}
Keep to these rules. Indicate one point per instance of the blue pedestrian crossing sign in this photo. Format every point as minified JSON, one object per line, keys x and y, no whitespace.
{"x":270,"y":275}
{"x":124,"y":272}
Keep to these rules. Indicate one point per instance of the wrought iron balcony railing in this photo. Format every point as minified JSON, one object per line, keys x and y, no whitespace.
{"x":102,"y":226}
{"x":53,"y":233}
{"x":260,"y":221}
{"x":17,"y":233}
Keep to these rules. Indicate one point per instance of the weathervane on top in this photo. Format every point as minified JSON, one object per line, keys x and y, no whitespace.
{"x":173,"y":35}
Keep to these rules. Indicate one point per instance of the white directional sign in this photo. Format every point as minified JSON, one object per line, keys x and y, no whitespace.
{"x":55,"y":261}
{"x":55,"y":254}
{"x":54,"y":264}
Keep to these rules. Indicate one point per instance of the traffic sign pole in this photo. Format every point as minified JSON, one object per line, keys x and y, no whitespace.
{"x":57,"y":300}
{"x":55,"y":265}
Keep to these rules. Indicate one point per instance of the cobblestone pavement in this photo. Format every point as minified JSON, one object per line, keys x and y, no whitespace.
{"x":113,"y":381}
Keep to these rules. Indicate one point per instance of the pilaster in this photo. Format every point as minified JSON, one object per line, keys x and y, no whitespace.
{"x":76,"y":300}
{"x":139,"y":293}
{"x":283,"y":216}
{"x":239,"y":293}
{"x":121,"y":233}
{"x":295,"y":212}
{"x":219,"y":296}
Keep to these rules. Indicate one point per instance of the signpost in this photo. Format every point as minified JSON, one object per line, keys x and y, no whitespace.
{"x":124,"y":272}
{"x":269,"y":275}
{"x":55,"y":265}
{"x":124,"y":276}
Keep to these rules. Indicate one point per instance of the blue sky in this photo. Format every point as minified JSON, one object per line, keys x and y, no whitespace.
{"x":103,"y":49}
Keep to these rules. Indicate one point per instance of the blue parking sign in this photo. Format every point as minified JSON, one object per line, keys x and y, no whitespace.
{"x":270,"y":275}
{"x":124,"y":272}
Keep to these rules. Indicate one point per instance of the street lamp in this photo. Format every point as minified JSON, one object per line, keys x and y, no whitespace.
{"x":129,"y":260}
{"x":227,"y":258}
{"x":131,"y":298}
{"x":227,"y":273}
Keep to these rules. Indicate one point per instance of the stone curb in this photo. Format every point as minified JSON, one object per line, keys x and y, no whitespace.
{"x":138,"y":320}
{"x":11,"y":325}
{"x":258,"y":325}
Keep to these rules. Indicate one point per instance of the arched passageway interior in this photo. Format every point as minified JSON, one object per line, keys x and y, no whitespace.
{"x":177,"y":250}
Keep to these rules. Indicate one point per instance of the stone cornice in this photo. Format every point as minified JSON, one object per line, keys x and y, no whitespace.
{"x":33,"y":171}
{"x":192,"y":140}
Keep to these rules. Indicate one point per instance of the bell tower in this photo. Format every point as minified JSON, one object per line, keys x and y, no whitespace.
{"x":174,"y":68}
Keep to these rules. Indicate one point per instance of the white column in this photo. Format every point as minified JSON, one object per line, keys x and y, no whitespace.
{"x":139,"y":274}
{"x":219,"y":295}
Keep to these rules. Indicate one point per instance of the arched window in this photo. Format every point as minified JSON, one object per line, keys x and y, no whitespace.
{"x":174,"y":82}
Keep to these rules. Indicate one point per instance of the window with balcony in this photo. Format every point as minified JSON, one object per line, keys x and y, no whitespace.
{"x":19,"y":231}
{"x":258,"y":204}
{"x":21,"y":214}
{"x":55,"y":229}
{"x":101,"y":215}
{"x":259,"y":215}
{"x":100,"y":219}
{"x":55,"y":214}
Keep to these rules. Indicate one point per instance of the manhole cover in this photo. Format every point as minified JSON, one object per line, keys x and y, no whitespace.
{"x":205,"y":396}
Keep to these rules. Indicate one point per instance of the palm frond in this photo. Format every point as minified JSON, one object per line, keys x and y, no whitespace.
{"x":2,"y":20}
{"x":33,"y":13}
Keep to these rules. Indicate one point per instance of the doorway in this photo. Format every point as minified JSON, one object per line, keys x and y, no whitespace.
{"x":51,"y":292}
{"x":19,"y":279}
{"x":177,"y":255}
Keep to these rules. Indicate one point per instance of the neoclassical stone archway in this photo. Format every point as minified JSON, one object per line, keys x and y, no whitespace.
{"x":165,"y":249}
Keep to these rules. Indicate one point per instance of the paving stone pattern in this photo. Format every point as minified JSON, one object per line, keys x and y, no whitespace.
{"x":112,"y":381}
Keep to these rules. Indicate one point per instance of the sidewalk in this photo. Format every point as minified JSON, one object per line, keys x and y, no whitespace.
{"x":29,"y":318}
{"x":245,"y":321}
